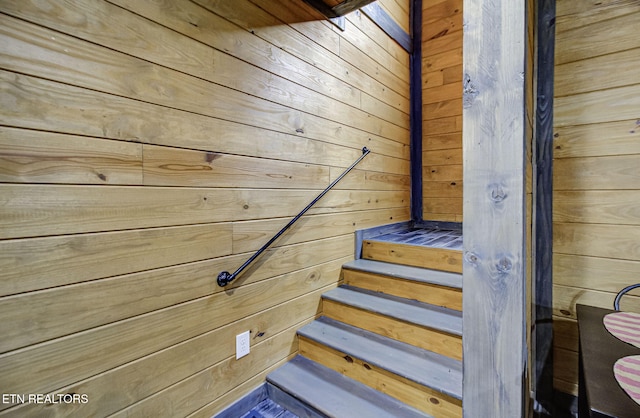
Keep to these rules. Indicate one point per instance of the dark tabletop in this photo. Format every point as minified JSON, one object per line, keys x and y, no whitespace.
{"x":599,"y":351}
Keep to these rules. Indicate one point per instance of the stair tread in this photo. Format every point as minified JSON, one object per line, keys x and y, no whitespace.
{"x":334,"y":394}
{"x":429,"y":237}
{"x":427,"y":368}
{"x":412,"y":311}
{"x":437,"y":277}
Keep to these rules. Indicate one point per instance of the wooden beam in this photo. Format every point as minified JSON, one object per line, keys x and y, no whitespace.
{"x":542,"y":335}
{"x":385,"y":22}
{"x":494,"y":267}
{"x":416,"y":112}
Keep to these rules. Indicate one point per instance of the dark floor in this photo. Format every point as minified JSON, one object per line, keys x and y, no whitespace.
{"x":435,"y":238}
{"x":268,"y":409}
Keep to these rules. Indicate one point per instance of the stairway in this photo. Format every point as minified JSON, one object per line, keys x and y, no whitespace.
{"x":389,"y":341}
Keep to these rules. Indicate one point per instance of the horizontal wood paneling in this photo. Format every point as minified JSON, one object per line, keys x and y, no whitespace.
{"x":147,"y":146}
{"x":45,"y":105}
{"x":43,"y":157}
{"x":89,"y":353}
{"x":39,"y":263}
{"x":43,"y":315}
{"x":164,"y":166}
{"x":598,"y":207}
{"x":442,"y":108}
{"x":599,"y":37}
{"x":73,"y":209}
{"x":597,"y":240}
{"x":597,"y":273}
{"x":623,"y":138}
{"x":596,"y":177}
{"x":400,"y":11}
{"x":104,"y":70}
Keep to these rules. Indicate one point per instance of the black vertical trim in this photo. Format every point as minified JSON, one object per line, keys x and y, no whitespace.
{"x":543,"y":199}
{"x":415,"y":149}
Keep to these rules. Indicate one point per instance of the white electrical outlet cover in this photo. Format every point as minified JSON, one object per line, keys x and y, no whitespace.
{"x":242,"y":344}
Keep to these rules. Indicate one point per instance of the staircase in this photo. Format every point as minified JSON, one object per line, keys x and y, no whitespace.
{"x":389,"y":341}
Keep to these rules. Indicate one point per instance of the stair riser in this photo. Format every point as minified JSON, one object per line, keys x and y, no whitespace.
{"x":433,"y":258}
{"x":447,"y":297}
{"x":419,"y":336}
{"x":416,"y":395}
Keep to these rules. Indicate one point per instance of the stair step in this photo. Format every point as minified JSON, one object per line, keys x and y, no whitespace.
{"x":417,"y":274}
{"x":426,"y":326}
{"x":427,"y":237}
{"x":413,"y":255}
{"x":425,"y":380}
{"x":318,"y":391}
{"x":435,"y":287}
{"x":418,"y":313}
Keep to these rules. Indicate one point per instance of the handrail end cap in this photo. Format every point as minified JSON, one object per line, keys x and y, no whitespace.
{"x":224,"y":278}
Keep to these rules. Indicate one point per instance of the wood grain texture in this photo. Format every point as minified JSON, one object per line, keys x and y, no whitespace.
{"x":597,"y":273}
{"x":597,"y":240}
{"x":494,"y":268}
{"x":616,"y":104}
{"x":190,"y":394}
{"x":82,"y":355}
{"x":595,"y":174}
{"x":43,"y":315}
{"x":73,"y":209}
{"x":587,"y":140}
{"x":175,"y":86}
{"x":435,"y":258}
{"x":599,"y":37}
{"x":44,"y":105}
{"x":565,"y":299}
{"x":147,"y":146}
{"x":251,"y":235}
{"x":442,"y":93}
{"x":40,"y":263}
{"x":399,"y":10}
{"x":428,"y":339}
{"x":41,"y":157}
{"x":151,"y":373}
{"x":411,"y":393}
{"x":424,"y":292}
{"x":164,"y":166}
{"x":448,"y":125}
{"x":597,"y":73}
{"x":597,"y":207}
{"x":389,"y":53}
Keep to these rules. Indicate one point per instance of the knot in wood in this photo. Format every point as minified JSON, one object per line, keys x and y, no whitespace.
{"x":504,"y":265}
{"x":469,"y":92}
{"x":498,"y":194}
{"x":470,"y":257}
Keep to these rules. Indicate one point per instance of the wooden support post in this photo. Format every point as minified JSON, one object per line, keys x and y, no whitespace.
{"x":542,"y":333}
{"x":416,"y":112}
{"x":494,"y":309}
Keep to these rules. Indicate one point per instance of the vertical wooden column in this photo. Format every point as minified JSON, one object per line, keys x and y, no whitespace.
{"x":416,"y":111}
{"x":542,"y":333}
{"x":494,"y":207}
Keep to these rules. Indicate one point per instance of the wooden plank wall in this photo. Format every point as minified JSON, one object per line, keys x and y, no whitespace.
{"x":442,"y":110}
{"x":399,"y":11}
{"x":145,"y":147}
{"x":596,"y":168}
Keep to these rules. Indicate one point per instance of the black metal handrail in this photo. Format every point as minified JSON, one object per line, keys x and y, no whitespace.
{"x":224,"y":278}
